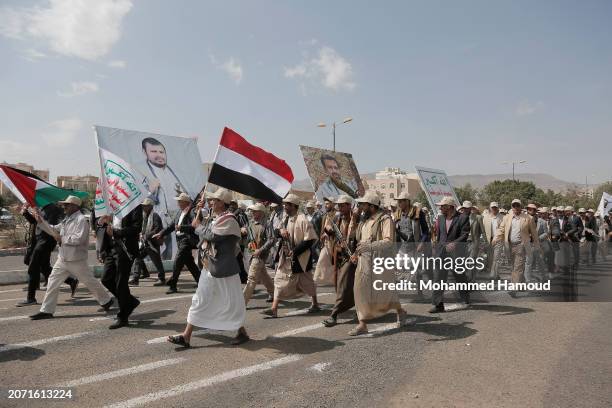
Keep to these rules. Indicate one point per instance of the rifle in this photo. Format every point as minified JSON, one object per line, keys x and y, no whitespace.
{"x":340,"y":238}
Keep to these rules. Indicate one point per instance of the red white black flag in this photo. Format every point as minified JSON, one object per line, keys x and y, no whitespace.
{"x":248,"y":169}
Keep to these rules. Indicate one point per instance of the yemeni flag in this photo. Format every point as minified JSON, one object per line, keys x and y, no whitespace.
{"x":31,"y":189}
{"x":250,"y":170}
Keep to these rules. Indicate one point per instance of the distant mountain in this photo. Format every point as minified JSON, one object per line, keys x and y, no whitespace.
{"x":541,"y":180}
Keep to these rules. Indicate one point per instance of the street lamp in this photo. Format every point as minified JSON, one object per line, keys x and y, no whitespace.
{"x":333,"y":125}
{"x":513,"y":164}
{"x":586,"y":185}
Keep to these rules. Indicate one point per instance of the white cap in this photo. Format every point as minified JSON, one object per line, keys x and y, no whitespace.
{"x":222,"y":194}
{"x":369,"y":197}
{"x":72,"y":200}
{"x":447,"y":201}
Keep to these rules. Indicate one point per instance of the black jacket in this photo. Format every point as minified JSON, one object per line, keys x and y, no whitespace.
{"x":188,"y":236}
{"x":458,"y":233}
{"x":129,"y":232}
{"x":152,"y":229}
{"x":124,"y":238}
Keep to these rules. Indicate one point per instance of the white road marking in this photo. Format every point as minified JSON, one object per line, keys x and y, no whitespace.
{"x":45,"y":341}
{"x":166,"y":298}
{"x":298,"y":330}
{"x":320,"y":367}
{"x":10,"y":300}
{"x":120,"y":373}
{"x":206,"y":382}
{"x":12,"y":290}
{"x":377,"y":331}
{"x":6,"y":319}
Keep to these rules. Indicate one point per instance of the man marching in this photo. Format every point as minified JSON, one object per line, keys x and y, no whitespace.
{"x":72,"y":234}
{"x":260,"y":246}
{"x":293,"y":277}
{"x":376,"y":239}
{"x":346,"y":223}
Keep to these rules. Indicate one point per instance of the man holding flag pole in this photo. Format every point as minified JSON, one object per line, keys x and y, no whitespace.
{"x":118,"y":207}
{"x":218,"y":303}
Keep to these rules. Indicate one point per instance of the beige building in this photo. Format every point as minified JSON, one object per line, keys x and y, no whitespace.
{"x":43,"y":174}
{"x":391,"y":181}
{"x":81,"y":183}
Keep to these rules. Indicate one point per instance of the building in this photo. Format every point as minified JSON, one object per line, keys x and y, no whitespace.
{"x":391,"y":181}
{"x":43,"y":174}
{"x":80,"y":183}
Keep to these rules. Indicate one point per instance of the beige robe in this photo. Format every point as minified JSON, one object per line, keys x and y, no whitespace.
{"x":289,"y":285}
{"x":371,"y":303}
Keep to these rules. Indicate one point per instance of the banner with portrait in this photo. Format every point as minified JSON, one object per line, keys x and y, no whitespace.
{"x":332,"y":173}
{"x":168,"y":165}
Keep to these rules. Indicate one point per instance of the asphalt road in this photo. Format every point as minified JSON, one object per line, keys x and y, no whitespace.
{"x":15,"y":262}
{"x":501,"y":352}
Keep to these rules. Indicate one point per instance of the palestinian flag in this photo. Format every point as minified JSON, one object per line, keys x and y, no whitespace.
{"x":31,"y":189}
{"x":250,"y":170}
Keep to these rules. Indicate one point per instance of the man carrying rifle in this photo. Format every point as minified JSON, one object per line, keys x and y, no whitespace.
{"x":341,"y":231}
{"x":151,"y":225}
{"x":259,"y":245}
{"x":293,"y":277}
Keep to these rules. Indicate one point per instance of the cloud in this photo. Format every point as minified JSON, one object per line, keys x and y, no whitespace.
{"x":117,"y":64}
{"x":76,"y":28}
{"x":328,"y":68}
{"x":231,"y":67}
{"x":80,"y":88}
{"x":526,"y":108}
{"x":33,"y":55}
{"x":62,"y":132}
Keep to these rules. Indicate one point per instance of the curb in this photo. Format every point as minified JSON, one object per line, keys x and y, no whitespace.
{"x":22,"y":251}
{"x":17,"y":277}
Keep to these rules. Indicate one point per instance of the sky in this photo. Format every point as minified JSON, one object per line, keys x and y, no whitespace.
{"x":458,"y":85}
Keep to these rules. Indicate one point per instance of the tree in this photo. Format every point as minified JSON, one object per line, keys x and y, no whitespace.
{"x":421,"y":197}
{"x":467,"y":192}
{"x":505,"y":191}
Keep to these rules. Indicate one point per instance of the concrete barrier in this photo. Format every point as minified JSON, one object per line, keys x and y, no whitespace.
{"x":21,"y":276}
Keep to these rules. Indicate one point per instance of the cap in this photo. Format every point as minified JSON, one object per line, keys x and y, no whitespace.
{"x":292,"y":198}
{"x":516,"y":201}
{"x":532,"y":205}
{"x":183,"y":197}
{"x":72,"y":200}
{"x":467,"y":204}
{"x":222,"y":194}
{"x":257,"y":207}
{"x":344,"y":199}
{"x":494,"y":204}
{"x":403,"y":196}
{"x":148,"y":201}
{"x":369,"y":197}
{"x":447,"y":201}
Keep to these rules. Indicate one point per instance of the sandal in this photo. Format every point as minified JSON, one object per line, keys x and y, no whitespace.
{"x":239,"y":339}
{"x":330,"y":322}
{"x":270,"y":313}
{"x":357,"y":331}
{"x":178,"y":340}
{"x":314,"y":309}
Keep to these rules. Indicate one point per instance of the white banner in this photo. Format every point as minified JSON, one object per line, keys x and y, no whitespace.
{"x":605,"y":204}
{"x":120,"y":188}
{"x":436,"y":185}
